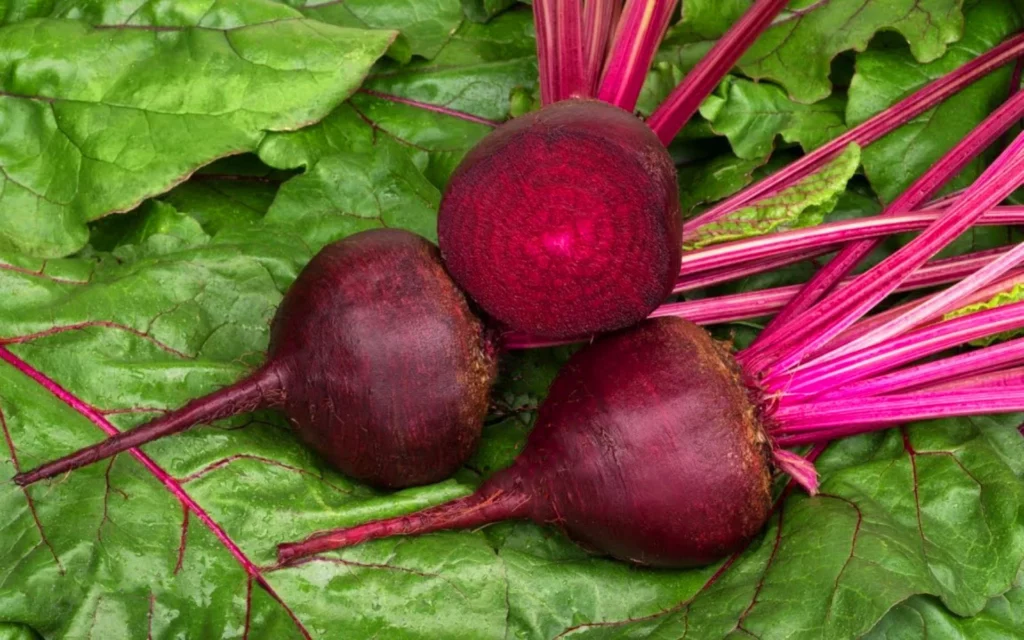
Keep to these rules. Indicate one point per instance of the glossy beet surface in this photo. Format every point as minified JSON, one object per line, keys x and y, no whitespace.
{"x":376,"y":359}
{"x":388,"y":370}
{"x":565,"y":221}
{"x":647,"y":449}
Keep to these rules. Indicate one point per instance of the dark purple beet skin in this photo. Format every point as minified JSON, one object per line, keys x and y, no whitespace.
{"x":565,"y":221}
{"x":647,"y":449}
{"x":389,"y":371}
{"x":376,"y":359}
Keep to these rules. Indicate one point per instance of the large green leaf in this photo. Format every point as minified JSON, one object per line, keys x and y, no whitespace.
{"x":484,"y":10}
{"x":804,"y":204}
{"x":437,"y":110}
{"x":798,"y":50}
{"x":922,"y":616}
{"x":97,"y":119}
{"x":885,"y":75}
{"x":751,"y":115}
{"x":426,"y":25}
{"x":216,"y":14}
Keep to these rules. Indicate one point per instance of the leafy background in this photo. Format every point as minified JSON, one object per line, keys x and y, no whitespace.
{"x":234,"y":138}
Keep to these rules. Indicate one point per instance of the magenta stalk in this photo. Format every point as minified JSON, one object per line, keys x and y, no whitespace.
{"x":832,"y":316}
{"x":670,"y":117}
{"x":824,"y":236}
{"x":640,"y":31}
{"x":925,"y":187}
{"x":242,"y":397}
{"x":867,"y":132}
{"x":599,"y":20}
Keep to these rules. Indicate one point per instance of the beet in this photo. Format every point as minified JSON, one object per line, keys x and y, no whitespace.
{"x":647,"y":449}
{"x":376,"y":359}
{"x":565,"y":221}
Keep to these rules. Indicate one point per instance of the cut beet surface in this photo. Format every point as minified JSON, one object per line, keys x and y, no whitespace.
{"x":565,"y":221}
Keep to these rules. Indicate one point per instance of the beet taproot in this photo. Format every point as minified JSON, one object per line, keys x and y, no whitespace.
{"x":648,"y":448}
{"x":376,"y":359}
{"x":565,"y":221}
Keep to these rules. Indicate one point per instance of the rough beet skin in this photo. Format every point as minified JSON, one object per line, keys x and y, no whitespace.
{"x":565,"y":221}
{"x":376,"y":359}
{"x":648,"y":449}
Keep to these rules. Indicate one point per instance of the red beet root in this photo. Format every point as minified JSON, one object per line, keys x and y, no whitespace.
{"x":375,"y":358}
{"x":647,"y":449}
{"x":565,"y":221}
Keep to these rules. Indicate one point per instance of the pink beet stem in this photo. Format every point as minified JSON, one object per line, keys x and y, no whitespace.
{"x":923,"y":188}
{"x":599,"y":20}
{"x":545,"y":22}
{"x":808,"y":423}
{"x":934,"y":373}
{"x":800,"y":469}
{"x":813,"y":381}
{"x":935,"y":305}
{"x":830,"y":234}
{"x":866,"y":132}
{"x":956,"y":272}
{"x":989,"y":380}
{"x":472,"y":511}
{"x":670,"y":117}
{"x":710,"y":278}
{"x":572,"y":74}
{"x":834,"y":314}
{"x":756,"y":304}
{"x":254,"y":392}
{"x":639,"y":32}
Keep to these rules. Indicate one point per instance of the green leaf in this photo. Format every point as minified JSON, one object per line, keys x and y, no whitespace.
{"x":155,"y":228}
{"x":922,"y":616}
{"x":885,"y":76}
{"x":234,"y":192}
{"x":484,"y":10}
{"x":215,"y":14}
{"x":1016,"y":294}
{"x":714,"y":179}
{"x":426,"y":25}
{"x":346,"y":193}
{"x":798,"y":50}
{"x":437,"y":110}
{"x":16,"y":632}
{"x":804,"y":204}
{"x":751,"y":115}
{"x":96,"y":120}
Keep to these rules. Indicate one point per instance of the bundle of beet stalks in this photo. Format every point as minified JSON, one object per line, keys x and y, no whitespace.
{"x":656,"y":444}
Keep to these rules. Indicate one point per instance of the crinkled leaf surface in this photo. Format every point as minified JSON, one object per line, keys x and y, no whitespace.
{"x":484,"y":10}
{"x":1015,"y":294}
{"x":797,"y":51}
{"x":884,"y":76}
{"x":714,"y":179}
{"x":752,"y":114}
{"x":922,"y":616}
{"x":804,"y":204}
{"x":425,"y":24}
{"x":436,"y":109}
{"x":217,"y":14}
{"x":173,"y":300}
{"x":96,"y":119}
